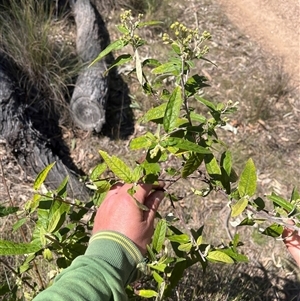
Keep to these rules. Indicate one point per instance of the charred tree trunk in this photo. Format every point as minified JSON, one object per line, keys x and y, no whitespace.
{"x":88,"y":103}
{"x":33,"y":149}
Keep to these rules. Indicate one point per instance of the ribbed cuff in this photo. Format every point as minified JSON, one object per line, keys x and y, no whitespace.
{"x":119,"y":251}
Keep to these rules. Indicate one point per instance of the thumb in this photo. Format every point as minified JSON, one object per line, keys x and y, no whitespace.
{"x":152,"y":202}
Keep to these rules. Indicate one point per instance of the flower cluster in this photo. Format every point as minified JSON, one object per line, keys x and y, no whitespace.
{"x":187,"y":40}
{"x":128,"y":27}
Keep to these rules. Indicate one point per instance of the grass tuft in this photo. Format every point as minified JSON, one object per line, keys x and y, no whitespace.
{"x":44,"y":62}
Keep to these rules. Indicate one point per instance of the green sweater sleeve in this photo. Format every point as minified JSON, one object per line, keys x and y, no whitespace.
{"x":108,"y":265}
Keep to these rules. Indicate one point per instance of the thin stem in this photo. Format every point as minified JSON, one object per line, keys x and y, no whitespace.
{"x":35,"y":268}
{"x":17,"y":274}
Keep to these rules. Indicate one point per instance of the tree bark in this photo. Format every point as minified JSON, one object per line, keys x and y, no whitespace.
{"x":88,"y":103}
{"x":31,"y":147}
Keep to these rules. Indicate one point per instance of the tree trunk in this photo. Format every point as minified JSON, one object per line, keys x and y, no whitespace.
{"x":32,"y":149}
{"x":88,"y":103}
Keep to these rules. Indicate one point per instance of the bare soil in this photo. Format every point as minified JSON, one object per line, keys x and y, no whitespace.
{"x":274,"y":25}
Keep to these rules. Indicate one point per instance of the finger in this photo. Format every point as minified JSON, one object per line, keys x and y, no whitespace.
{"x":142,"y":190}
{"x":152,"y":202}
{"x":114,"y":190}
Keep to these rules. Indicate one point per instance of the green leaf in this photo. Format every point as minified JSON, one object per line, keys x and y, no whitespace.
{"x":194,"y":84}
{"x":54,"y":217}
{"x":147,"y":293}
{"x":118,"y":167}
{"x":169,"y":67}
{"x":98,"y":171}
{"x":122,"y":29}
{"x":281,"y":202}
{"x":159,"y":235}
{"x":207,"y":103}
{"x":41,"y":177}
{"x":157,"y":278}
{"x":295,"y":195}
{"x":247,"y":182}
{"x":144,"y":141}
{"x":116,"y":45}
{"x":138,"y":67}
{"x":19,"y":223}
{"x":274,"y":230}
{"x":212,"y":165}
{"x":226,"y":162}
{"x":149,"y":23}
{"x":186,"y":145}
{"x":62,"y":189}
{"x":236,"y":256}
{"x":4,"y":211}
{"x":180,"y":238}
{"x":192,"y":163}
{"x":172,"y":110}
{"x":197,"y":117}
{"x":12,"y":248}
{"x":185,"y":247}
{"x":119,"y":61}
{"x":239,"y":207}
{"x":155,"y":113}
{"x":219,"y":256}
{"x":176,"y":48}
{"x":137,"y":173}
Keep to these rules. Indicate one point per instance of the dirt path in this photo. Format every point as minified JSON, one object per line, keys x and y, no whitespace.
{"x":275,"y":25}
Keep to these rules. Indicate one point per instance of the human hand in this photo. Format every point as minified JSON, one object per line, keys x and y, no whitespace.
{"x":292,"y":242}
{"x":119,"y":212}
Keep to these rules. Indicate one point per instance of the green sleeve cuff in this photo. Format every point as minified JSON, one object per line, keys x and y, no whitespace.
{"x":117,"y":250}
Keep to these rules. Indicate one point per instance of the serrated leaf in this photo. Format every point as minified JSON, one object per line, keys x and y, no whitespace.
{"x":274,"y":230}
{"x":116,"y":45}
{"x":186,"y":145}
{"x":172,"y":109}
{"x":147,"y":293}
{"x":239,"y":207}
{"x":12,"y":248}
{"x":159,"y":235}
{"x":219,"y":256}
{"x":98,"y":171}
{"x":118,"y":167}
{"x":41,"y":177}
{"x":248,"y":178}
{"x":4,"y":211}
{"x":155,"y":113}
{"x":191,"y":164}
